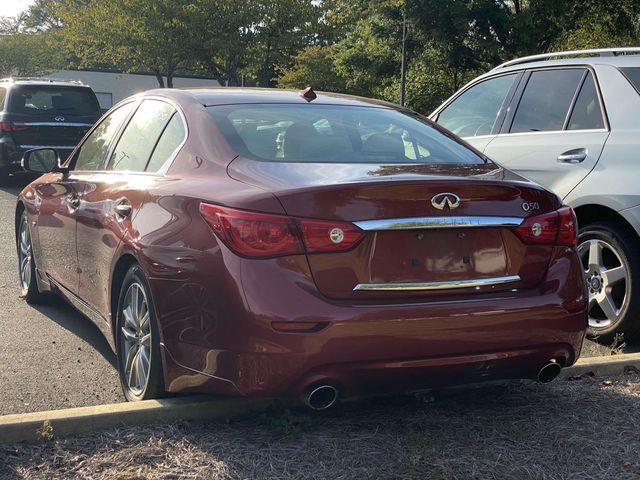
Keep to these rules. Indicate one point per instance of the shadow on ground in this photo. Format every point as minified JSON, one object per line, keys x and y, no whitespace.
{"x":68,"y":318}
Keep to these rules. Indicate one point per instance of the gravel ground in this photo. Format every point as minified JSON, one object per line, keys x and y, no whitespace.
{"x":583,"y":429}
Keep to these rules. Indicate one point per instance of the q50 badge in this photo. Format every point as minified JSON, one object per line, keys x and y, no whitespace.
{"x":530,"y":206}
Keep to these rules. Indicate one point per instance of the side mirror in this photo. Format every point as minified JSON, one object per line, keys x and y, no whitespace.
{"x":41,"y":160}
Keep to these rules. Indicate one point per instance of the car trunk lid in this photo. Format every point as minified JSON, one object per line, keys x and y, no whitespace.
{"x":429,"y":230}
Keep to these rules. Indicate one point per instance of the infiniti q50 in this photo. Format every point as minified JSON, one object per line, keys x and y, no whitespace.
{"x":260,"y":242}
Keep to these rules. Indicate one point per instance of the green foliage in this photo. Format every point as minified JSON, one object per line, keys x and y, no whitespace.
{"x":351,"y":46}
{"x":45,"y":431}
{"x":26,"y":54}
{"x":313,"y":67}
{"x":284,"y":422}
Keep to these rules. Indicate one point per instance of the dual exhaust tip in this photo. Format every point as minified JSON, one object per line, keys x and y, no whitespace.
{"x":324,"y":396}
{"x":549,"y":372}
{"x":321,"y":397}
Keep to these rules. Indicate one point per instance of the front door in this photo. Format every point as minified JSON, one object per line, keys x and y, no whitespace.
{"x":57,"y":230}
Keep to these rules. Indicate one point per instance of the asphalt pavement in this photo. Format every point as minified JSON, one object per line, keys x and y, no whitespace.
{"x":50,"y":356}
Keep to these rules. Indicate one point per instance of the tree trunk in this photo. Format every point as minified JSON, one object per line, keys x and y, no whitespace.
{"x":264,"y":77}
{"x":159,"y":78}
{"x":170,"y":72}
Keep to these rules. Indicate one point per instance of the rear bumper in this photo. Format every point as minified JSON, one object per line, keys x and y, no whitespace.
{"x":217,"y":333}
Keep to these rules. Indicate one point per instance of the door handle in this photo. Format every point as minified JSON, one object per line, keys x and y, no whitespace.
{"x":73,"y":201}
{"x":573,"y":156}
{"x":123,"y":209}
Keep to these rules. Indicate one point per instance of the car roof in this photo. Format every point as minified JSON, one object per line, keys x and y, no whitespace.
{"x":230,"y":96}
{"x":41,"y":81}
{"x":622,"y":57}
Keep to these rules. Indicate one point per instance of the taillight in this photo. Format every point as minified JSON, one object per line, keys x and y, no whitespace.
{"x":7,"y":126}
{"x":252,"y":234}
{"x":326,"y":236}
{"x":555,"y":228}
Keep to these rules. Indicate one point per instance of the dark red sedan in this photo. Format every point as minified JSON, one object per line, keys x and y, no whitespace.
{"x":265,"y":242}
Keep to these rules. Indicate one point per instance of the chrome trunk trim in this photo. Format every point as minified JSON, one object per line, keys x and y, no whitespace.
{"x":477,"y":283}
{"x":56,"y":124}
{"x":417,"y":223}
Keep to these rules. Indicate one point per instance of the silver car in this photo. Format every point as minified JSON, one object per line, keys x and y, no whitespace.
{"x":571,"y":122}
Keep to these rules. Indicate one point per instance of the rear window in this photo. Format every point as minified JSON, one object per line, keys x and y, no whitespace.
{"x":336,"y":134}
{"x":633,"y":75}
{"x":45,"y":100}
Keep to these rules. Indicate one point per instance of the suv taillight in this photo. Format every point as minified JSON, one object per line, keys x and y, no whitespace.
{"x":555,"y":228}
{"x":263,"y":235}
{"x":7,"y":126}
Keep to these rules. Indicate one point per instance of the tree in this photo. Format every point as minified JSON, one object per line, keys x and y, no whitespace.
{"x":25,"y":54}
{"x":135,"y":35}
{"x":282,"y":28}
{"x":314,"y":66}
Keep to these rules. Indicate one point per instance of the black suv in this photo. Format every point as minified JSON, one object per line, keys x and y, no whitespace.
{"x":42,"y":113}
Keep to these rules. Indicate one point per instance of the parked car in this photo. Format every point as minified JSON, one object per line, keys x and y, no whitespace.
{"x":38,"y":113}
{"x":364,"y":249}
{"x":570,"y":122}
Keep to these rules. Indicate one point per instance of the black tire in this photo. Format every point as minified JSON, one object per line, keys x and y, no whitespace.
{"x":26,"y":263}
{"x":625,"y":293}
{"x":135,"y":282}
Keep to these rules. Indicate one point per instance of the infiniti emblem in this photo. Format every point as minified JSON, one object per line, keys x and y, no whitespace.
{"x":441,"y":200}
{"x":59,"y":119}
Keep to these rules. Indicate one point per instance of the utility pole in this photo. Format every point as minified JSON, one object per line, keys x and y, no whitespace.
{"x":403,"y":67}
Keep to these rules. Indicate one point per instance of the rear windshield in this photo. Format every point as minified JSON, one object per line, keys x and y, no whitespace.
{"x":336,"y":134}
{"x":633,"y":74}
{"x":45,"y":100}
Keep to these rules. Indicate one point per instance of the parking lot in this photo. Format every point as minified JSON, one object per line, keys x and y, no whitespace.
{"x":51,"y":357}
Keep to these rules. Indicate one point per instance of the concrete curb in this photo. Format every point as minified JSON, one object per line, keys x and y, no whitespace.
{"x":60,"y":423}
{"x":603,"y":366}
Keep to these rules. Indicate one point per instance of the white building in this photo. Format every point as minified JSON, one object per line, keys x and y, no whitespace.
{"x":111,"y":87}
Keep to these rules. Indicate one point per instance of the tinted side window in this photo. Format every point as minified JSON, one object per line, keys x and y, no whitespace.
{"x":546,"y":100}
{"x":475,"y":111}
{"x":94,"y":149}
{"x":586,"y":112}
{"x":140,"y":136}
{"x":169,"y":142}
{"x":633,"y":75}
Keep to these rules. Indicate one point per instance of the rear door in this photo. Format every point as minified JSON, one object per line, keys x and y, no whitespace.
{"x":556,"y":130}
{"x":118,"y":189}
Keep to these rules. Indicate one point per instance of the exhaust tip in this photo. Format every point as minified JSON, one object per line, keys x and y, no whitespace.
{"x":549,"y":372}
{"x":321,"y":397}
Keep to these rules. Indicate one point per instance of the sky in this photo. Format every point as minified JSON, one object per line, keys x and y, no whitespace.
{"x":10,"y":8}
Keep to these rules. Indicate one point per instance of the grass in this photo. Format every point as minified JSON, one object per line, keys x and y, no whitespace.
{"x":594,"y":348}
{"x":585,"y":429}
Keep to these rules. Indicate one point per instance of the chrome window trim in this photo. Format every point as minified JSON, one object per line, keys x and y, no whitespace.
{"x":418,"y":223}
{"x":57,"y":147}
{"x":476,"y":283}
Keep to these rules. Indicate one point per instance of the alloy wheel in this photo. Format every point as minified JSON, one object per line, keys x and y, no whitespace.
{"x":136,"y":339}
{"x":25,"y":256}
{"x":607,"y":279}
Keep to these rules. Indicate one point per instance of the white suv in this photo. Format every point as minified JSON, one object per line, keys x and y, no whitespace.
{"x":571,"y":122}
